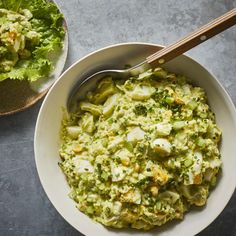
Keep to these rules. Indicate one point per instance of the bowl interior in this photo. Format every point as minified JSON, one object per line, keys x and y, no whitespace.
{"x":47,"y":139}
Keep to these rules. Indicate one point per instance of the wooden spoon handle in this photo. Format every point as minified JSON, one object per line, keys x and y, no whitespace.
{"x":193,"y":39}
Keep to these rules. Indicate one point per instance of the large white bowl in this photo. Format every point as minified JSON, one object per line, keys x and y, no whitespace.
{"x":46,"y":144}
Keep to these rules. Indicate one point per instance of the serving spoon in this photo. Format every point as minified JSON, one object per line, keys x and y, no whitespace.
{"x":157,"y":59}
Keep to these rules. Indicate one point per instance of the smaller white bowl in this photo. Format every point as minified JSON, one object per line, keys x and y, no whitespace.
{"x":47,"y":140}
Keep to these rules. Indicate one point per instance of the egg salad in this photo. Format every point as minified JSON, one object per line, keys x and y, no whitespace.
{"x":140,"y":152}
{"x":31,"y":32}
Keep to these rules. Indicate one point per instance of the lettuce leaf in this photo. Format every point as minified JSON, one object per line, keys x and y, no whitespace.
{"x":32,"y":70}
{"x":10,"y":4}
{"x":47,"y":20}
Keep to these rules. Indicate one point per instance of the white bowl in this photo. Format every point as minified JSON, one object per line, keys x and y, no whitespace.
{"x":47,"y":140}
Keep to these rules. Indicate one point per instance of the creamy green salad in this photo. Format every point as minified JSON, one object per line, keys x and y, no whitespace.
{"x":140,"y":152}
{"x":30,"y":31}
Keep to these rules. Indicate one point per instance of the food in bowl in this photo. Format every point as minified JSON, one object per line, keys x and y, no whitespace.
{"x":30,"y":32}
{"x":140,"y":152}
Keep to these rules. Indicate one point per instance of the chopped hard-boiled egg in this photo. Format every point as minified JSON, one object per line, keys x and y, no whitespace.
{"x":114,"y":144}
{"x":135,"y":135}
{"x":73,"y":131}
{"x":161,"y":146}
{"x":118,"y":172}
{"x":163,"y":128}
{"x":142,"y":92}
{"x":82,"y":166}
{"x":110,"y":104}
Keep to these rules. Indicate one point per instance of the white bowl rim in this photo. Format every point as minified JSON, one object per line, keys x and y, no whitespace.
{"x":227,"y":98}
